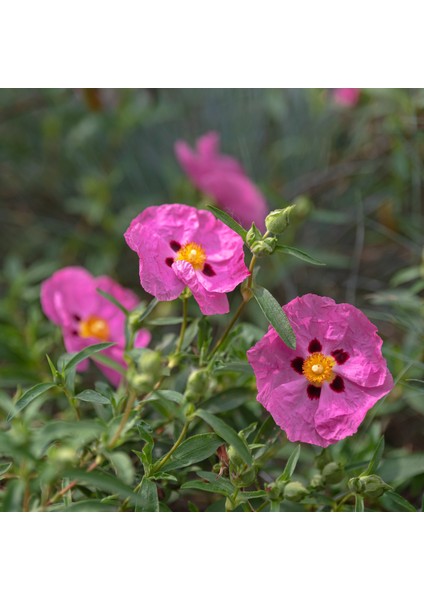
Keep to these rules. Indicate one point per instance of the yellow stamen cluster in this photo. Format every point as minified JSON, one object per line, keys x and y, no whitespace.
{"x":318,"y":368}
{"x":94,"y":327}
{"x":192,"y":253}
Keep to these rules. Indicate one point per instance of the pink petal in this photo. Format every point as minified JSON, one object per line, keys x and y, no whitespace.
{"x":210,"y":303}
{"x":69,"y":291}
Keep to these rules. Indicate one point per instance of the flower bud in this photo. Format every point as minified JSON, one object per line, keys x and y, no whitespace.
{"x":302,"y":207}
{"x":317,"y":481}
{"x":150,"y":362}
{"x":278,"y":220}
{"x":371,"y":486}
{"x":197,"y":384}
{"x":253,"y":235}
{"x":141,"y":382}
{"x":295,"y":491}
{"x":134,"y":319}
{"x":264,"y":247}
{"x":332,"y":473}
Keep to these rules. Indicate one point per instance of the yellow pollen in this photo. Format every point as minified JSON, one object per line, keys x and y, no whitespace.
{"x":192,"y":253}
{"x":94,"y":327}
{"x":318,"y":368}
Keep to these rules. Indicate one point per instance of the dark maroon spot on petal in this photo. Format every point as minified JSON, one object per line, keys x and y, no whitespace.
{"x":340,"y":356}
{"x":169,"y":262}
{"x":313,"y":392}
{"x":74,"y":332}
{"x":297,"y":364}
{"x":337,"y":385}
{"x":207,"y":270}
{"x":314,"y":346}
{"x":175,"y":245}
{"x":76,"y":317}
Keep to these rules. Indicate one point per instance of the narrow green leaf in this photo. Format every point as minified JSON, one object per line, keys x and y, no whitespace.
{"x":167,"y":395}
{"x":86,"y":353}
{"x":148,"y":496}
{"x":146,"y":312}
{"x":227,"y":433}
{"x":4,"y":467}
{"x":218,"y":487}
{"x":298,"y":254}
{"x":108,"y":362}
{"x":229,"y":221}
{"x":122,"y":466}
{"x":401,"y":468}
{"x":376,"y":458}
{"x":193,"y":450}
{"x":113,"y":301}
{"x":400,"y":501}
{"x":161,"y":321}
{"x":105,"y":482}
{"x":275,"y":315}
{"x":359,"y":503}
{"x":29,"y":396}
{"x":86,"y":506}
{"x":92,"y":396}
{"x":291,"y":465}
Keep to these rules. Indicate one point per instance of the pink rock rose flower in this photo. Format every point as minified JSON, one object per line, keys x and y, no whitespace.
{"x":321,"y":392}
{"x":69,"y":298}
{"x":181,"y":246}
{"x":346,"y":96}
{"x":223,"y":178}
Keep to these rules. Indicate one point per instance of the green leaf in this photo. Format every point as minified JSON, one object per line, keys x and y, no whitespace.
{"x":161,"y":321}
{"x":376,"y":458}
{"x":108,"y":362}
{"x":148,"y":497}
{"x":113,"y":301}
{"x":92,"y":396}
{"x":275,"y":315}
{"x":228,"y":400}
{"x":86,"y":506}
{"x":401,"y":468}
{"x":29,"y":396}
{"x":149,"y":308}
{"x":217,"y":487}
{"x":4,"y":467}
{"x":229,"y":221}
{"x":86,"y":353}
{"x":298,"y":254}
{"x":398,"y":500}
{"x":227,"y":433}
{"x":291,"y":465}
{"x":167,"y":395}
{"x":105,"y":482}
{"x":122,"y":465}
{"x":193,"y":450}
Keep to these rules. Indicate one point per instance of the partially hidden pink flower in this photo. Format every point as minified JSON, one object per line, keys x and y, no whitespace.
{"x":70,"y":299}
{"x":346,"y":96}
{"x":181,"y":246}
{"x":222,"y":178}
{"x":321,"y":392}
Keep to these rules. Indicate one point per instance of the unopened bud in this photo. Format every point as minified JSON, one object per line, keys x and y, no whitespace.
{"x":264,"y":247}
{"x":150,"y":362}
{"x":197,"y":384}
{"x":317,"y":481}
{"x":302,"y":207}
{"x":278,"y":220}
{"x":369,"y":485}
{"x":295,"y":491}
{"x":253,"y":235}
{"x":141,"y":382}
{"x":332,"y":473}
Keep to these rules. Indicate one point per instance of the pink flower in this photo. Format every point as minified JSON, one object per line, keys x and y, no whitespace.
{"x":69,"y":298}
{"x":346,"y":96}
{"x":181,"y":246}
{"x":321,"y":392}
{"x":222,"y":178}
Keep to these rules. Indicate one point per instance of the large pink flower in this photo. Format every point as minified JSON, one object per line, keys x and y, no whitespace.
{"x":70,"y":299}
{"x":181,"y":246}
{"x":321,"y":392}
{"x":222,"y":178}
{"x":346,"y":96}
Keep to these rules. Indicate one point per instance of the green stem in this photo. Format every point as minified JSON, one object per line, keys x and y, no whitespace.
{"x":183,"y":325}
{"x":168,"y":455}
{"x":131,"y":400}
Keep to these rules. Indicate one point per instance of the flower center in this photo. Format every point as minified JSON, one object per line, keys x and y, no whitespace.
{"x":318,"y":368}
{"x":192,"y":253}
{"x":94,"y":327}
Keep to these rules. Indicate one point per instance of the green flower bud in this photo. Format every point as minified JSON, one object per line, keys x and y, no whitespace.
{"x":253,"y":235}
{"x":295,"y":491}
{"x":141,"y":382}
{"x":150,"y":362}
{"x":371,"y":486}
{"x":63,"y":455}
{"x":197,"y":384}
{"x":317,"y":481}
{"x":264,"y":247}
{"x":134,"y":319}
{"x":302,"y":207}
{"x":278,"y":220}
{"x":332,"y":473}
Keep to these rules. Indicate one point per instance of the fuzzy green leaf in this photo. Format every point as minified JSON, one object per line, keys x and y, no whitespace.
{"x":29,"y":396}
{"x":229,"y":221}
{"x":275,"y":315}
{"x":227,"y":433}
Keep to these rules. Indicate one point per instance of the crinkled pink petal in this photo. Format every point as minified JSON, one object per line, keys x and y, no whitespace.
{"x":346,"y":96}
{"x":142,"y":339}
{"x":68,"y":292}
{"x":340,"y":414}
{"x":210,"y":303}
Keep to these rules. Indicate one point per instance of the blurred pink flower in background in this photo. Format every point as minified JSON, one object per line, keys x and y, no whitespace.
{"x":180,"y":246}
{"x":223,"y":179}
{"x":346,"y":96}
{"x":70,"y":299}
{"x":321,"y":392}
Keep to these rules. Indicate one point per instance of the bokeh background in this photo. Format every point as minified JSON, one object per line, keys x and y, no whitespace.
{"x":77,"y":165}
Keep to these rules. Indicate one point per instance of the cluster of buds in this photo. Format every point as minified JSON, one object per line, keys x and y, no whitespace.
{"x":371,"y":486}
{"x":146,"y":370}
